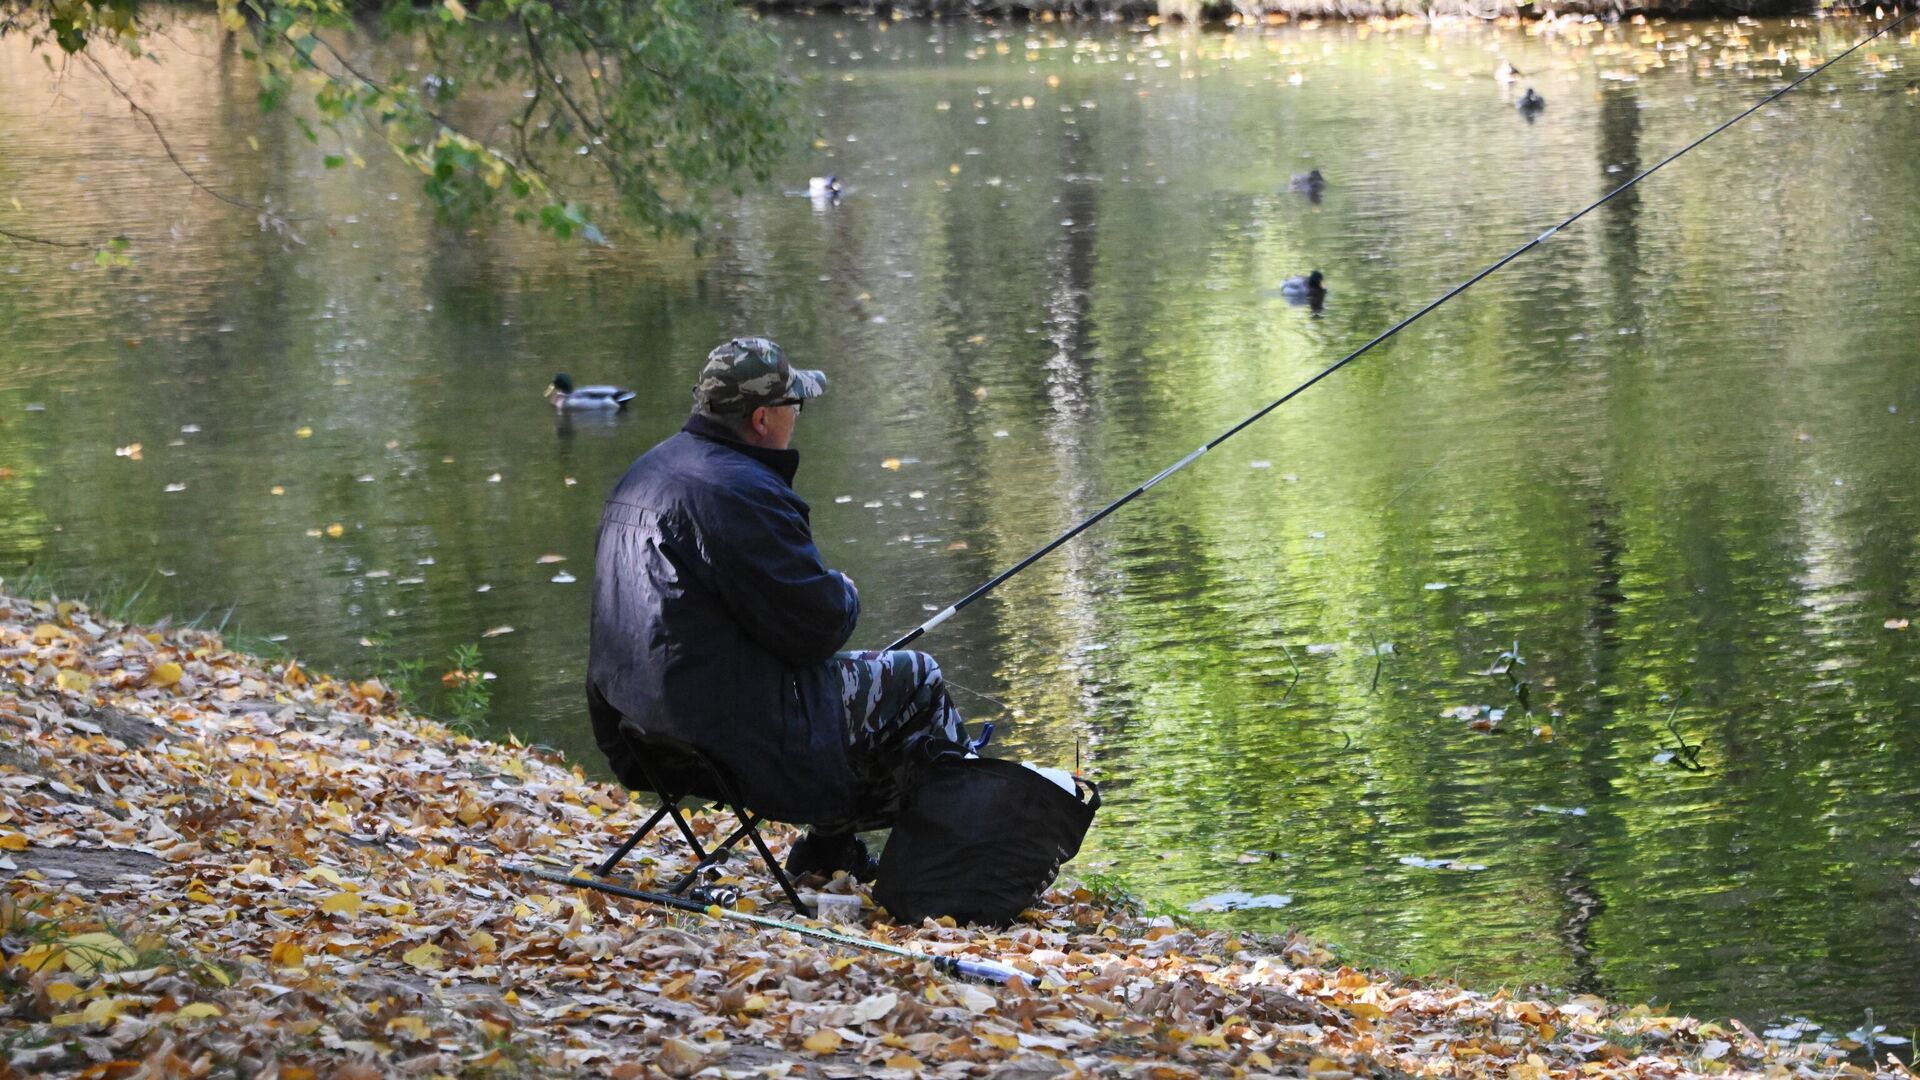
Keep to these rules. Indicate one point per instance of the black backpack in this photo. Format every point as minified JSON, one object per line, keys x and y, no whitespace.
{"x":980,"y":839}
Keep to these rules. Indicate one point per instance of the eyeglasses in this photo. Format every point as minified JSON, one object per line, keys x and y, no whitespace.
{"x":799,"y":404}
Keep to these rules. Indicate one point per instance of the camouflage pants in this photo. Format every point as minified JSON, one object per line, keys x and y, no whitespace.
{"x":898,"y":716}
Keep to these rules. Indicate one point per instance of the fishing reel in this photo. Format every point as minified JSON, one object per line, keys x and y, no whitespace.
{"x":715,"y":895}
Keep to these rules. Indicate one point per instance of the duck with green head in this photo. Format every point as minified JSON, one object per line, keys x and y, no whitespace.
{"x":564,"y":395}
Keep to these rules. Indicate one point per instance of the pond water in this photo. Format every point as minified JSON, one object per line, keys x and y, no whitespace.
{"x":1667,"y":463}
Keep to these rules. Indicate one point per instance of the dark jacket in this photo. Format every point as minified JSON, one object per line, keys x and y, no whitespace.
{"x":713,"y":618}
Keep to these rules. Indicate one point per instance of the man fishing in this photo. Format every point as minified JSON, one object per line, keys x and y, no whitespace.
{"x":716,"y":623}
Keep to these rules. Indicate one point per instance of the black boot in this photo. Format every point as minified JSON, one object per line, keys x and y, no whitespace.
{"x":825,"y":853}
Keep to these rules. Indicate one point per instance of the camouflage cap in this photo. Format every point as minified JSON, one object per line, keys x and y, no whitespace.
{"x":746,"y":373}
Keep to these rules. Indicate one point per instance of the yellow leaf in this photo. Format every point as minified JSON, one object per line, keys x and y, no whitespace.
{"x":755,"y":1004}
{"x":101,"y":1010}
{"x":165,"y":675}
{"x":428,"y":957}
{"x":13,"y":841}
{"x":904,"y":1061}
{"x":289,"y":954}
{"x":303,"y":433}
{"x":41,"y":957}
{"x":1004,"y":1042}
{"x":336,"y":530}
{"x":823,"y":1041}
{"x":411,"y":1025}
{"x":457,"y":9}
{"x":343,"y":902}
{"x":891,"y":463}
{"x":197,"y":1011}
{"x":482,"y":942}
{"x":96,"y":952}
{"x":217,"y":974}
{"x":46,"y":632}
{"x":76,"y":682}
{"x":61,"y":992}
{"x":200,"y":896}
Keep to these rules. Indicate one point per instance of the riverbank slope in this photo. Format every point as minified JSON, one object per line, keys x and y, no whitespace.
{"x":212,"y":862}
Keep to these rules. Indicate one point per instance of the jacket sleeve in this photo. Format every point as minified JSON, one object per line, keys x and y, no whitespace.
{"x":771,"y":578}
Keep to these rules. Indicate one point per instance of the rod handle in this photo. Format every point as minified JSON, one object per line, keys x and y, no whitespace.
{"x":987,"y":971}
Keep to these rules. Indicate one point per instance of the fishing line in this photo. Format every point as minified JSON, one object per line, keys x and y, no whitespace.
{"x":953,"y":609}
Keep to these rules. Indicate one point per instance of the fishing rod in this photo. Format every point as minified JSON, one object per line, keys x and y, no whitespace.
{"x":960,"y":966}
{"x":952,"y":609}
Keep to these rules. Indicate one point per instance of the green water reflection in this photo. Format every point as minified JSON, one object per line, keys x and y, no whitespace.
{"x":1670,"y":453}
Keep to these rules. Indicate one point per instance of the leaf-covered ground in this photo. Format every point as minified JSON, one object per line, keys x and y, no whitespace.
{"x":217,"y":866}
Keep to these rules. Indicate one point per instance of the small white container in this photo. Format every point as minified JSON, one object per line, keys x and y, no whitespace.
{"x":833,"y":907}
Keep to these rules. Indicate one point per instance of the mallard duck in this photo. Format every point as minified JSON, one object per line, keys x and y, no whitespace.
{"x":1311,"y":287}
{"x":1530,"y":102}
{"x":1310,"y":182}
{"x":564,"y":395}
{"x":1506,"y":72}
{"x":823,"y":187}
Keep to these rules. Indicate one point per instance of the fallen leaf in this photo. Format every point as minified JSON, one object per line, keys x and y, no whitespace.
{"x":824,"y":1041}
{"x":428,"y":957}
{"x":88,"y":954}
{"x":164,"y":675}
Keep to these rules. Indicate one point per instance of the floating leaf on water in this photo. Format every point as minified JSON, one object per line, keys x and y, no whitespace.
{"x":551,"y":559}
{"x":843,"y":498}
{"x":1663,"y":757}
{"x":1259,"y":464}
{"x":1239,"y":901}
{"x":1570,"y":811}
{"x":563,"y":578}
{"x":493,"y":478}
{"x":1000,"y":433}
{"x":874,"y":505}
{"x":891,"y":463}
{"x":131,"y":451}
{"x":1434,"y":586}
{"x":276,"y":490}
{"x":303,"y":433}
{"x":1322,"y":650}
{"x":336,"y":530}
{"x":496,"y":631}
{"x":1895,"y":624}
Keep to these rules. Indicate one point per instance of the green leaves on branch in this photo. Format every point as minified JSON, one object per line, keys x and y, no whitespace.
{"x":567,"y":112}
{"x":557,"y":113}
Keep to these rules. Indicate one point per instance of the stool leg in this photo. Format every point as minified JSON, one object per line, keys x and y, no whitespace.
{"x":606,"y":868}
{"x":779,"y":873}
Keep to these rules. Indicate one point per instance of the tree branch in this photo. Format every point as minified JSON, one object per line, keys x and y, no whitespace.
{"x":267,"y":216}
{"x":24,"y":238}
